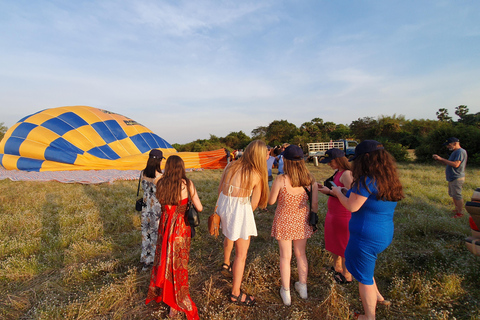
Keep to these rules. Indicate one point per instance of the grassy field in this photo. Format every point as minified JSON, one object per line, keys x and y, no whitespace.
{"x":71,"y":251}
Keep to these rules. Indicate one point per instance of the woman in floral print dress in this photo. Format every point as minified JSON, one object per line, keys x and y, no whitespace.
{"x":290,"y":224}
{"x":152,"y":210}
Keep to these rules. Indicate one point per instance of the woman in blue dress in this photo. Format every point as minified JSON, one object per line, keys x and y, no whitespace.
{"x":372,"y":200}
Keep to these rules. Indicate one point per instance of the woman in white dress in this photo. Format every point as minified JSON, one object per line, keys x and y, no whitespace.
{"x":243,"y":187}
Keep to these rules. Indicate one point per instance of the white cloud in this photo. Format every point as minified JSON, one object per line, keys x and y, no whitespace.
{"x":187,"y":69}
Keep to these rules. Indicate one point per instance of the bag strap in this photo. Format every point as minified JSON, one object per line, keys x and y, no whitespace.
{"x":139,"y":180}
{"x":309,"y":194}
{"x":189,"y":196}
{"x":333,"y":175}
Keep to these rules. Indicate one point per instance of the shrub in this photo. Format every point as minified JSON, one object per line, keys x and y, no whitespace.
{"x":398,"y":151}
{"x":433,"y":143}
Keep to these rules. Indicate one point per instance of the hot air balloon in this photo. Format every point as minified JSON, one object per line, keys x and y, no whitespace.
{"x":87,"y":138}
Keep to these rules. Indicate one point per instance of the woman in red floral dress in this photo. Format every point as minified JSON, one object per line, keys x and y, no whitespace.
{"x":169,"y":279}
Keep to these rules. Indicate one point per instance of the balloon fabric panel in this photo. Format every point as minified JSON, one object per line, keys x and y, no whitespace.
{"x":87,"y":138}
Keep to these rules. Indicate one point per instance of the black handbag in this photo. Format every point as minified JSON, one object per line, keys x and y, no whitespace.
{"x":191,"y":214}
{"x":139,"y":204}
{"x":328,"y":183}
{"x":313,"y":216}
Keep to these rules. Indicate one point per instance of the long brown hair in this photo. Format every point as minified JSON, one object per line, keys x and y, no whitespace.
{"x":298,"y":173}
{"x":342,"y":163}
{"x":169,"y":187}
{"x":380,"y":166}
{"x":254,"y":159}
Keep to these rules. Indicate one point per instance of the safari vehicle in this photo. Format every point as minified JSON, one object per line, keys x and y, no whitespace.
{"x":316,"y":151}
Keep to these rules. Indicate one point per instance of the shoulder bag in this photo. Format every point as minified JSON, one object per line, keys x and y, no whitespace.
{"x":191,"y":213}
{"x":313,"y":216}
{"x":139,"y":204}
{"x":328,"y":182}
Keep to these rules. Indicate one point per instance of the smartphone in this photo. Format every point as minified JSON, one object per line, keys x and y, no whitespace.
{"x":333,"y":184}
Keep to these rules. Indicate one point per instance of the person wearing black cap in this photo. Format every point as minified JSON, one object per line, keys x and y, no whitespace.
{"x":290,"y":223}
{"x":454,"y":172}
{"x":152,"y":210}
{"x":376,"y":188}
{"x":337,"y":218}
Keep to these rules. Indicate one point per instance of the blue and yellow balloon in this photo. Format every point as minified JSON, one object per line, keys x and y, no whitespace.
{"x":78,"y":138}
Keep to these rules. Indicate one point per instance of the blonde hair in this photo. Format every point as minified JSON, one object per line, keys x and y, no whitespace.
{"x":298,"y":173}
{"x":253,"y":160}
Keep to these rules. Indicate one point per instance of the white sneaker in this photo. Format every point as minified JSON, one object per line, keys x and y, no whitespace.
{"x":285,"y":294}
{"x":301,"y":289}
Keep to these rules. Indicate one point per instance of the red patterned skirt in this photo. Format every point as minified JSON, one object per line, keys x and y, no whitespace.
{"x":169,"y":279}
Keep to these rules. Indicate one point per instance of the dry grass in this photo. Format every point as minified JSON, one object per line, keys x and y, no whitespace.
{"x":72,"y":251}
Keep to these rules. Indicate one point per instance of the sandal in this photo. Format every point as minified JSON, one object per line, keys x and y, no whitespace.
{"x":331,"y":269}
{"x":384,"y":302}
{"x":340,"y":278}
{"x":226,"y":267}
{"x":226,"y":270}
{"x":248,"y":300}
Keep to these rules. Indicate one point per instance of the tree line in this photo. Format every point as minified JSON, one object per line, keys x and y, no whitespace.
{"x":395,"y":132}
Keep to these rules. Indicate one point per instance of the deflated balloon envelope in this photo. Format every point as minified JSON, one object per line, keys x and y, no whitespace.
{"x":78,"y":138}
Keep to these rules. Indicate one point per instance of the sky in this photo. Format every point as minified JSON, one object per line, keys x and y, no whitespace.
{"x":191,"y":69}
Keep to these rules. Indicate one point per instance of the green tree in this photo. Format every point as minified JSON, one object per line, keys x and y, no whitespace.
{"x":471,"y":119}
{"x":364,"y":128}
{"x":461,"y":111}
{"x":414,"y":131}
{"x":341,"y":132}
{"x":311,"y":129}
{"x":433,"y":143}
{"x":259,"y":133}
{"x":318,"y":130}
{"x":442,"y":115}
{"x":466,"y":118}
{"x":236,"y":140}
{"x":329,"y":126}
{"x":3,"y":130}
{"x":280,"y":131}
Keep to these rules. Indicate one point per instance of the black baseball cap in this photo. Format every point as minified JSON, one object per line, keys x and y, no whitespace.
{"x":450,"y":140}
{"x":331,"y":154}
{"x":155,"y":153}
{"x":293,"y":153}
{"x":367,"y":146}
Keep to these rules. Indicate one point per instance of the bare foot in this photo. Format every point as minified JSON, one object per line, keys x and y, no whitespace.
{"x":173,"y":313}
{"x":361,"y":316}
{"x":348,"y":276}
